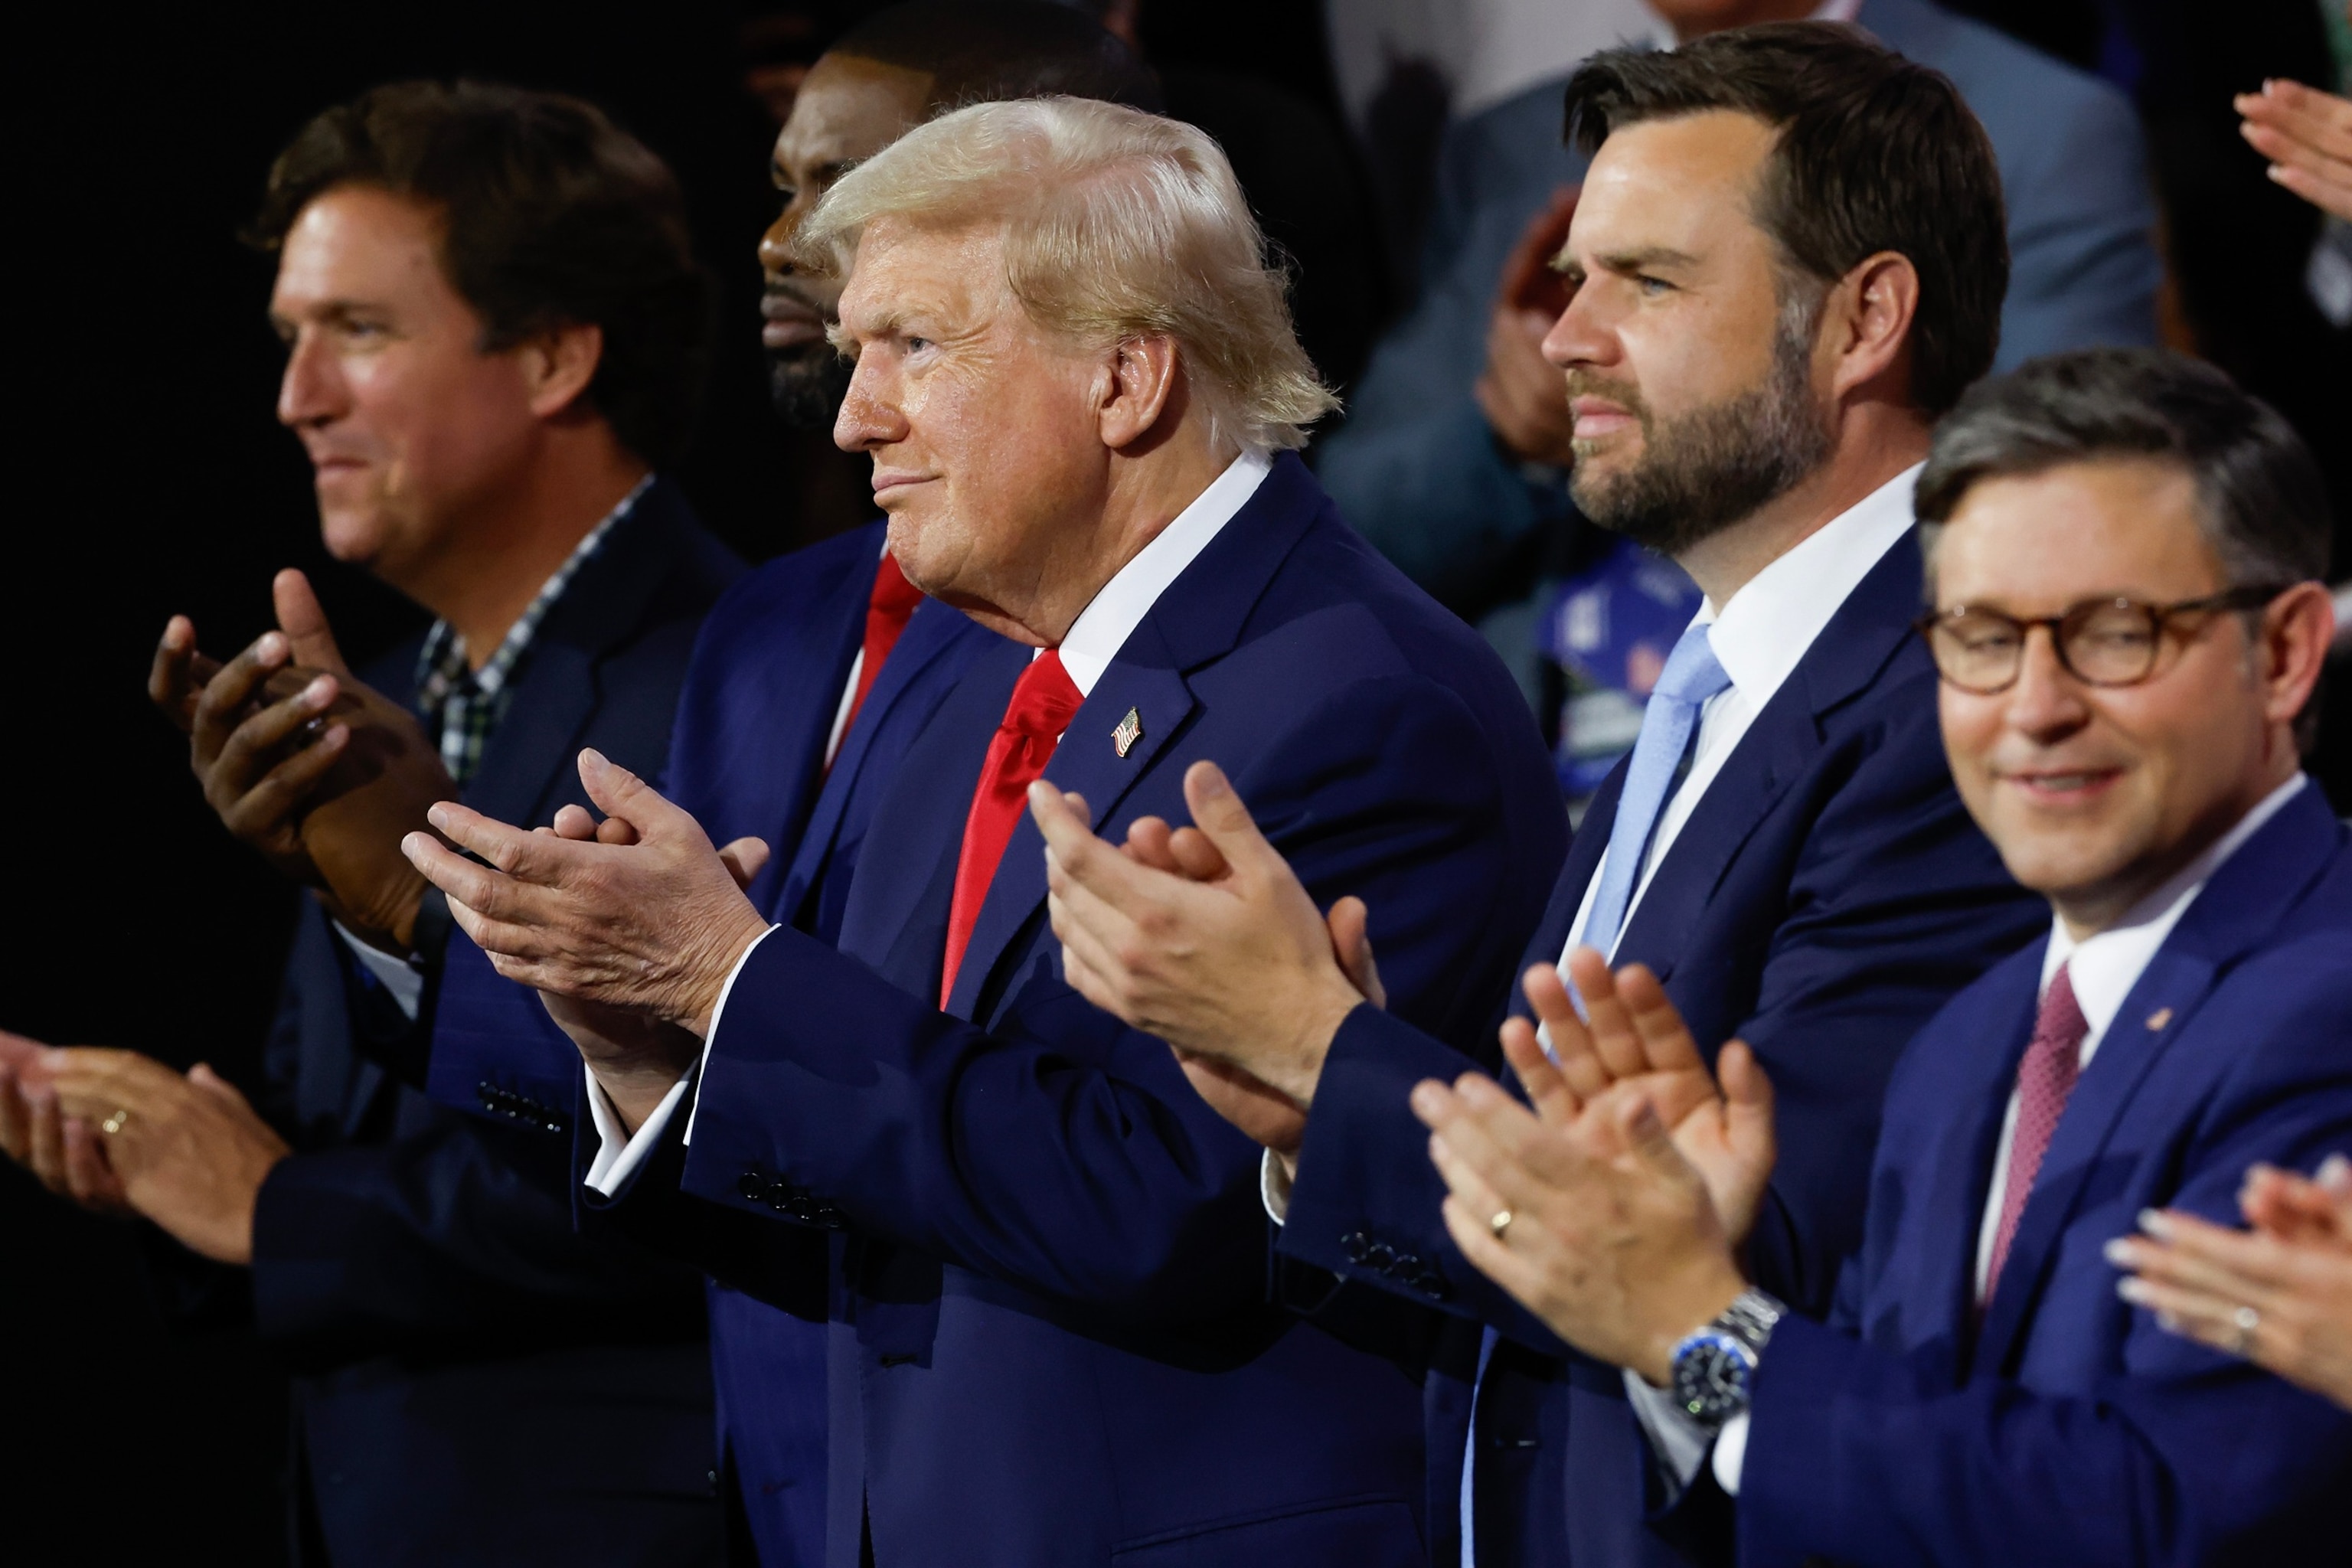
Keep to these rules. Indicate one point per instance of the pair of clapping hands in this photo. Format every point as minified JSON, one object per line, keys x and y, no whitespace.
{"x":321,"y":776}
{"x":1611,"y":1203}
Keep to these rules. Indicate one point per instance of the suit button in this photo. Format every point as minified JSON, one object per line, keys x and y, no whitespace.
{"x":750,"y":1186}
{"x":1356,"y":1245}
{"x":831,"y":1217}
{"x":1406,"y":1266}
{"x":1380,"y":1255}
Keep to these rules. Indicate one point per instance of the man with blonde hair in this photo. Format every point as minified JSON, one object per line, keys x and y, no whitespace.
{"x":1053,"y":1338}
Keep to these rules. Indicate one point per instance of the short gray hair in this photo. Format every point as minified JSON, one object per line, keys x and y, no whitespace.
{"x":2261,"y":500}
{"x":1119,"y":225}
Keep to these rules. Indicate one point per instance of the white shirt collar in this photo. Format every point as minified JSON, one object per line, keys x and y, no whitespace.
{"x":1103,"y":627}
{"x":1772,"y":620}
{"x":2104,"y":966}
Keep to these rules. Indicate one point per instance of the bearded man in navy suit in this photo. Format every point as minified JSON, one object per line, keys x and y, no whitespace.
{"x":1787,"y":261}
{"x":1052,"y":1339}
{"x":2129,"y":623}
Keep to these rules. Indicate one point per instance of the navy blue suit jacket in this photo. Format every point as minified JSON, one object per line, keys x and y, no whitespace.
{"x":1053,"y":1335}
{"x":747,"y":758}
{"x":478,"y":1386}
{"x":1418,"y":470}
{"x":2071,"y":1429}
{"x":1827,"y":896}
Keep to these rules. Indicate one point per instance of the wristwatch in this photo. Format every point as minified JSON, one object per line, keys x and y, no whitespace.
{"x":1715,"y":1368}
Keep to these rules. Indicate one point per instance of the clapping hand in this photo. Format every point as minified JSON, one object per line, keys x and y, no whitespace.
{"x":2306,"y":134}
{"x":316,"y":771}
{"x":1613,"y":1209}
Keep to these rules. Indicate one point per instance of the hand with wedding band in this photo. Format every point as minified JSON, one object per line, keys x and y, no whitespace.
{"x":2278,"y":1294}
{"x":118,"y":1132}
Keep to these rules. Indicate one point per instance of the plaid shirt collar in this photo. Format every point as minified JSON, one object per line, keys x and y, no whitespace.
{"x":466,"y":703}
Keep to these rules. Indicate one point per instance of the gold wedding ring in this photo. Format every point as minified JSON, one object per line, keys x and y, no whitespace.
{"x":115,"y":1123}
{"x":1500,"y":1223}
{"x":2245,"y":1320}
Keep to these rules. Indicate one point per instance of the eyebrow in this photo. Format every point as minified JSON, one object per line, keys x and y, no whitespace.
{"x":1645,"y":258}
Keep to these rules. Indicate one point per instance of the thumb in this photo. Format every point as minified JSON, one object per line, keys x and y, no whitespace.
{"x":619,"y":793}
{"x":1222,"y":818}
{"x":1351,"y":944}
{"x":1647,"y":1138}
{"x":744,"y":858}
{"x":304,"y":623}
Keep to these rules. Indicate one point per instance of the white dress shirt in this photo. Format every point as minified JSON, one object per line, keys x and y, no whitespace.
{"x":1758,"y":637}
{"x":1093,"y":640}
{"x":2103,"y":968}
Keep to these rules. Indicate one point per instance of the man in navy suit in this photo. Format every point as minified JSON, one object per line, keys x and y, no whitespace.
{"x":1787,"y":261}
{"x":807,"y":681}
{"x":1053,"y":1341}
{"x":1456,"y":456}
{"x":474,"y":1384}
{"x":2129,"y":623}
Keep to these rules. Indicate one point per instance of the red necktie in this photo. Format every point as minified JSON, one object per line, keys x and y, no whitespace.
{"x":1043,"y":703}
{"x":2044,"y":1079}
{"x":888,"y":610}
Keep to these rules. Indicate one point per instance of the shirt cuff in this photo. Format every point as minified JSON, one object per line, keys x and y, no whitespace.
{"x":1730,"y":1453}
{"x":1679,"y":1442}
{"x":618,"y":1154}
{"x":1273,"y":1188}
{"x":718,"y":1013}
{"x":402,"y":977}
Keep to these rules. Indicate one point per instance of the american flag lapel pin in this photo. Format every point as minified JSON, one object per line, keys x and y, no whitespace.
{"x":1129,"y":730}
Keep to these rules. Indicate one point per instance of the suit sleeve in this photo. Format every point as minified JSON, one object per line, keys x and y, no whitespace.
{"x":2180,"y":1455}
{"x":1064,"y":1153}
{"x":425,"y":1229}
{"x":2084,"y":271}
{"x":1895,"y":901}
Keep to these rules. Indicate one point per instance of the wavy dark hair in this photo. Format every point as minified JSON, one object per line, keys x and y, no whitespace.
{"x":551,"y":215}
{"x":1876,"y":154}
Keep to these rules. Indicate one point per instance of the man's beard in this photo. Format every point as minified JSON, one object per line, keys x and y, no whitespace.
{"x":1702,"y":471}
{"x":806,"y":383}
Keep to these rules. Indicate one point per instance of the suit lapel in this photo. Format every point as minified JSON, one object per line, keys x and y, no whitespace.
{"x":931,"y":632}
{"x":1198,"y":619}
{"x":2234,"y":914}
{"x":556,"y":689}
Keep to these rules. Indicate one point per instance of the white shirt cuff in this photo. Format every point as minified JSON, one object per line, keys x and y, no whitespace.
{"x":399,"y":976}
{"x":716,"y":1014}
{"x":1730,"y":1453}
{"x":619,"y":1154}
{"x":1679,"y":1442}
{"x":1273,"y":1188}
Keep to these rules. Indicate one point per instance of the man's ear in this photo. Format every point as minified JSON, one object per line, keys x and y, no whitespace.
{"x":1867,"y":320}
{"x":1141,"y":384}
{"x":2296,"y":629}
{"x":559,"y":364}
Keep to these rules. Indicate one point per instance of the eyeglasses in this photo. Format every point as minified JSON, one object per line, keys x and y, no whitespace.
{"x":2100,"y":642}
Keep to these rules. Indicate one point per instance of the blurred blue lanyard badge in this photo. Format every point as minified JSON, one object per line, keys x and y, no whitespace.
{"x":1609,"y":629}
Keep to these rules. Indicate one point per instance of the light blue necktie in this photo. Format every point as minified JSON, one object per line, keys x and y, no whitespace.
{"x":1691,"y":676}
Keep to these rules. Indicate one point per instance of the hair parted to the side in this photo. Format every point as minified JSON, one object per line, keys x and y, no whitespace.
{"x":1119,"y":225}
{"x":1876,"y":154}
{"x":551,"y":215}
{"x":2261,"y":501}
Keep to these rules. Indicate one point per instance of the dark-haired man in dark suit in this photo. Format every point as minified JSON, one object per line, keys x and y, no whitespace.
{"x":475,"y":1385}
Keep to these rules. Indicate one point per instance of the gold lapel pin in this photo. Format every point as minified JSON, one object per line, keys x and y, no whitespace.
{"x":1129,"y":730}
{"x":2160,"y":1018}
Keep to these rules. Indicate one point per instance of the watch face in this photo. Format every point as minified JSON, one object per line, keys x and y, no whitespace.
{"x":1711,"y":1370}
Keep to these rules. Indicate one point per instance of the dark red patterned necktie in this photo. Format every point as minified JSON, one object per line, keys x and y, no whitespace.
{"x":1043,"y":703}
{"x":888,"y":610}
{"x":2044,"y":1079}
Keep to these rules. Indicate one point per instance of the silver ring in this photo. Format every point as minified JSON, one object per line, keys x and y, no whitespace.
{"x":2245,"y":1320}
{"x":1499,"y":1224}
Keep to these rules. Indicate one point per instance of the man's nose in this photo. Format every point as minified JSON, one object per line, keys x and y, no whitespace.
{"x":776,"y":244}
{"x":869,"y":417}
{"x":2047,"y":702}
{"x":1580,"y":336}
{"x":311,"y":392}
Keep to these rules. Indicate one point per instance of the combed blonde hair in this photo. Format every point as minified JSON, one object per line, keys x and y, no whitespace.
{"x":1119,"y":225}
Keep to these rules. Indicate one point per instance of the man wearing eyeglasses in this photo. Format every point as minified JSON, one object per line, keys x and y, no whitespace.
{"x":2128,"y":625}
